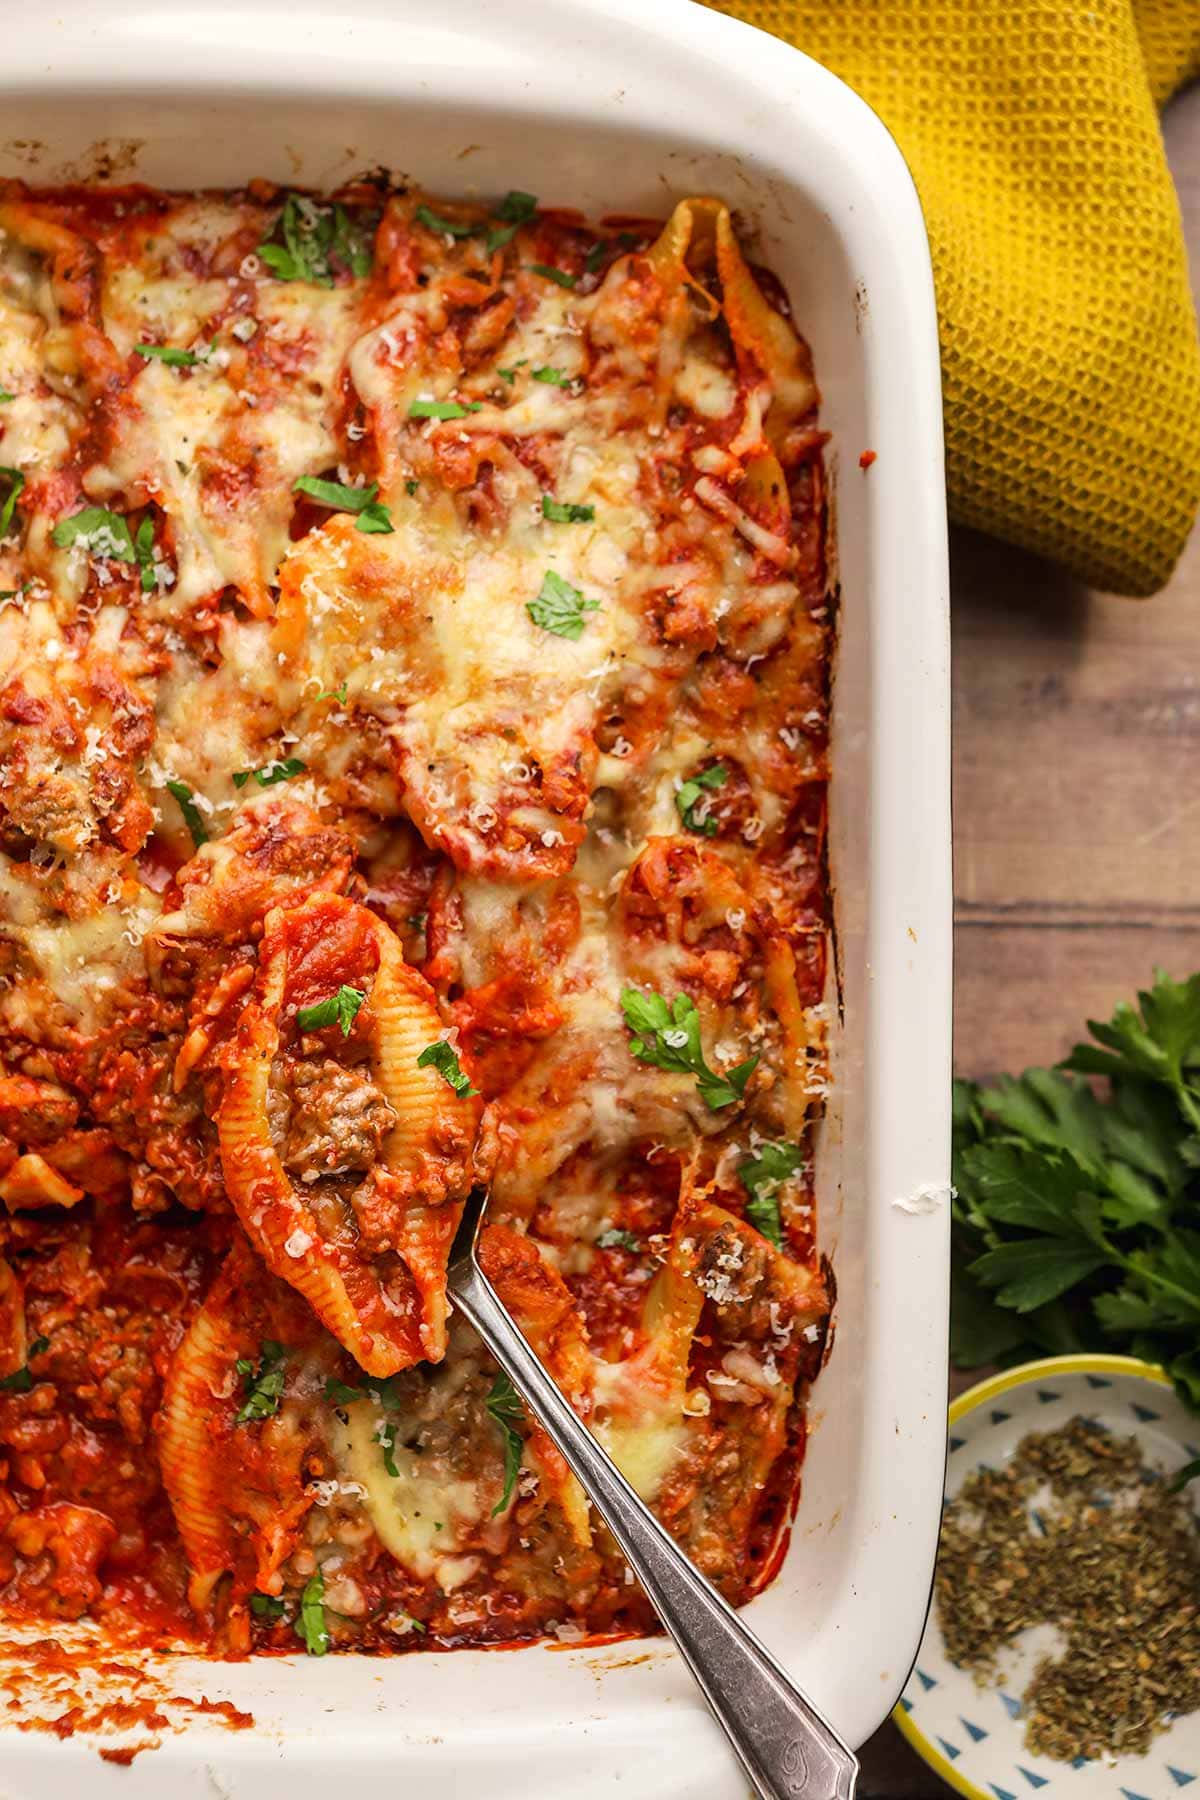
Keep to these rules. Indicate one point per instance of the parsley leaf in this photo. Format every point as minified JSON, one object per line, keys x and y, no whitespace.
{"x":385,"y":1437}
{"x":100,"y":532}
{"x":1159,"y":1038}
{"x":516,"y":209}
{"x":16,"y":487}
{"x":615,"y":1239}
{"x":165,"y":353}
{"x":551,"y":377}
{"x":445,"y":227}
{"x":1074,"y":1222}
{"x":341,"y":1393}
{"x":559,"y":275}
{"x":375,"y":518}
{"x":5,"y":395}
{"x":691,"y":804}
{"x":762,"y":1176}
{"x":667,"y":1035}
{"x":262,"y":1384}
{"x":566,"y":512}
{"x":21,"y":1380}
{"x":442,"y":1057}
{"x":341,"y":1009}
{"x":505,"y":1407}
{"x":373,"y":515}
{"x":316,"y":239}
{"x":143,"y":550}
{"x":559,"y":607}
{"x":443,"y":409}
{"x":382,"y":1389}
{"x":310,"y":1627}
{"x":272,"y":772}
{"x":267,"y":1606}
{"x":191,"y":812}
{"x":623,"y":241}
{"x":1030,"y":1271}
{"x":351,"y":246}
{"x":510,"y":375}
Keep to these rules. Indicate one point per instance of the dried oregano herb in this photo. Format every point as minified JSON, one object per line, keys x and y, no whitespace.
{"x":1077,"y":1532}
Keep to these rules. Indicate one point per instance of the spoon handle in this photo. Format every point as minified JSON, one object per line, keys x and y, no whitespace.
{"x":787,"y":1749}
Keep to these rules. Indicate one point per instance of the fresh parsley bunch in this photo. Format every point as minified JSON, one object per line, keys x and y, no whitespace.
{"x":1076,"y":1222}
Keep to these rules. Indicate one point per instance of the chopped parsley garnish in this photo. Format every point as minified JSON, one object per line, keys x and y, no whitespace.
{"x":267,"y":1606}
{"x":443,"y":409}
{"x":341,"y":1393}
{"x":510,"y":375}
{"x":21,"y":1380}
{"x":506,"y":1409}
{"x":382,"y":1390}
{"x":691,"y":805}
{"x":447,"y":227}
{"x":515,"y":209}
{"x":668,"y":1036}
{"x":442,"y":1057}
{"x":559,"y":607}
{"x":551,"y":377}
{"x":341,"y":1009}
{"x":106,"y":534}
{"x":566,"y":512}
{"x":262,"y":1383}
{"x":190,"y":811}
{"x":165,"y":353}
{"x":761,"y":1177}
{"x":385,"y":1437}
{"x":316,"y":239}
{"x":338,"y":694}
{"x":16,"y":481}
{"x":143,"y":550}
{"x":271,"y":772}
{"x":310,"y":1627}
{"x":373,"y":515}
{"x":5,"y":395}
{"x":411,"y":485}
{"x":559,"y":275}
{"x":618,"y":1240}
{"x":624,"y":240}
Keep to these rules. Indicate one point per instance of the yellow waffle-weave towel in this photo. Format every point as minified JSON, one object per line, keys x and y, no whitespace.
{"x":1069,"y":352}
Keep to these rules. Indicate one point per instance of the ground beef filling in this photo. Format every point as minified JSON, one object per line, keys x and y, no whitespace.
{"x":331,"y":1121}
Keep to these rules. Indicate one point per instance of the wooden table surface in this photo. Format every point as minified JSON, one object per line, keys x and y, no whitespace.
{"x":1076,"y":811}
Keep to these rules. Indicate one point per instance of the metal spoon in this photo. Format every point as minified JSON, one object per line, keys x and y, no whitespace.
{"x":786,"y":1748}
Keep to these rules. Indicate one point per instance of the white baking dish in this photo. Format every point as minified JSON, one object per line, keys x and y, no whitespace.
{"x":621,"y":105}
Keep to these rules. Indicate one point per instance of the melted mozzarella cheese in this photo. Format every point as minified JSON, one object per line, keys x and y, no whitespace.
{"x":76,"y":970}
{"x":423,"y":1516}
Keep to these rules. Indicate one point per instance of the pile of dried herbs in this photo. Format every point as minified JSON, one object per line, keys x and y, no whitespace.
{"x":1076,"y":1532}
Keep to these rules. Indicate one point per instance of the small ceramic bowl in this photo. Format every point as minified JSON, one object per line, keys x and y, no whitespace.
{"x":974,"y":1737}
